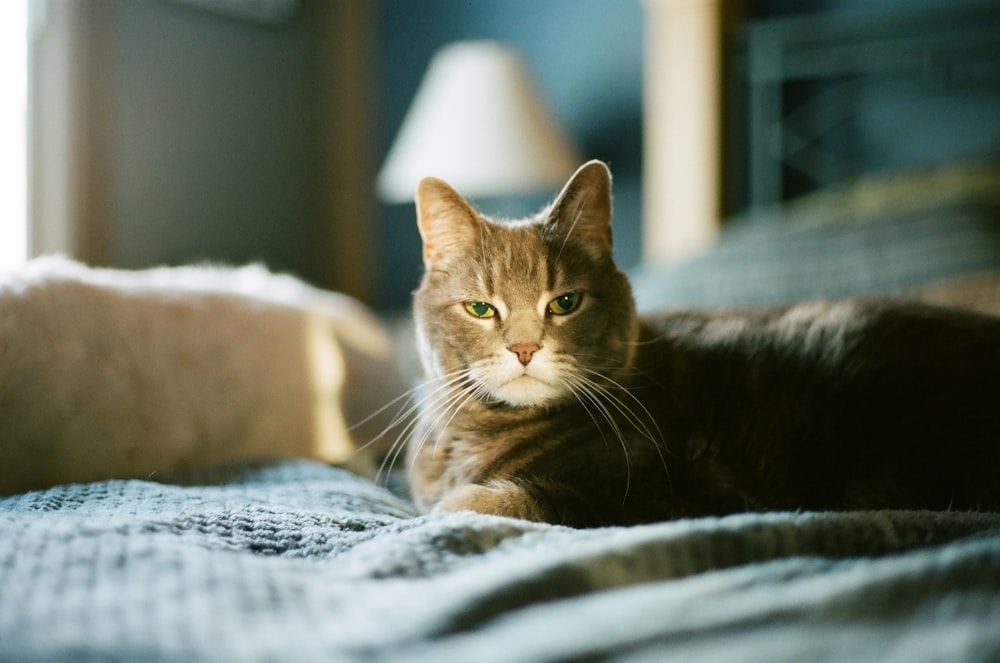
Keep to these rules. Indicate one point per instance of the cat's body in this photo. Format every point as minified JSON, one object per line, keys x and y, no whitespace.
{"x":549,"y":399}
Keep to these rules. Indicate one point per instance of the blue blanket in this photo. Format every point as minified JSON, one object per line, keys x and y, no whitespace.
{"x":298,"y":561}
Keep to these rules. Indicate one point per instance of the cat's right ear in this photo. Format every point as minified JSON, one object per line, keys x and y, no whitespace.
{"x":583,"y":208}
{"x":448,"y":224}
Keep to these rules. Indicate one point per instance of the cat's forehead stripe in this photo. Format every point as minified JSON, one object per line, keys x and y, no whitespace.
{"x":513,"y":262}
{"x":524,"y":250}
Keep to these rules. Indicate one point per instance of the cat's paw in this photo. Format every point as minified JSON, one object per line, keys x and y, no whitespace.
{"x":498,"y":497}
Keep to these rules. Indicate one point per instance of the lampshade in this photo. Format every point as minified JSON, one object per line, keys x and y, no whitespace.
{"x":478,"y":123}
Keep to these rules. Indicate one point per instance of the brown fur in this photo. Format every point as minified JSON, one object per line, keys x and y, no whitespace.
{"x":618,"y":420}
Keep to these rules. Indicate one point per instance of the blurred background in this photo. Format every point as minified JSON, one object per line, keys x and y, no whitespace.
{"x":177,"y":131}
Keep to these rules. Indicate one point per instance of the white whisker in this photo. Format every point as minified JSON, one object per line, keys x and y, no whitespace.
{"x":429,"y":401}
{"x":636,"y":419}
{"x":633,"y":418}
{"x":592,"y":393}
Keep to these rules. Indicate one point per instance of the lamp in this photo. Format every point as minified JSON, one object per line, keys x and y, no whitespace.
{"x":478,"y":123}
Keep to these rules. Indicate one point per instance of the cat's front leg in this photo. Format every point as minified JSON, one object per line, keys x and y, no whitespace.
{"x":499,"y":497}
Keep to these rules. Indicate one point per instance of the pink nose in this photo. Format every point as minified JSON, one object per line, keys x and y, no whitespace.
{"x":524,"y":351}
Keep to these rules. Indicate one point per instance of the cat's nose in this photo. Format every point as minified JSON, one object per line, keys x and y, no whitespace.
{"x":524,"y":351}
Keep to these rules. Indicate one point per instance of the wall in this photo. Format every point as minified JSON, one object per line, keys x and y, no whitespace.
{"x":213,"y":144}
{"x":164,"y":134}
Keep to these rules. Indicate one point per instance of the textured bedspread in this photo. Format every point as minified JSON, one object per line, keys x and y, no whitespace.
{"x":299,"y":561}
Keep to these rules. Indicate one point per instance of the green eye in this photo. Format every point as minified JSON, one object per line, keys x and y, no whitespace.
{"x":480,"y":309}
{"x":564,"y":304}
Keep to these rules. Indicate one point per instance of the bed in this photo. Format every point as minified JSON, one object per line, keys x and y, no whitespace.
{"x":295,"y":559}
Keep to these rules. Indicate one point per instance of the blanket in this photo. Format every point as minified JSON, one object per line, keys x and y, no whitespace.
{"x":298,"y":561}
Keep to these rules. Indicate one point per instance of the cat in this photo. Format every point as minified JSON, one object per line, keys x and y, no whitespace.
{"x":108,"y":373}
{"x":549,"y":399}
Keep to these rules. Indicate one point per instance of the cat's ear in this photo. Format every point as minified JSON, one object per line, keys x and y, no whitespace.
{"x":583,"y":208}
{"x":448,"y":224}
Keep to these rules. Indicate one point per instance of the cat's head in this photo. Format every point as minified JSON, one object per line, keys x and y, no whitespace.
{"x":527,"y":312}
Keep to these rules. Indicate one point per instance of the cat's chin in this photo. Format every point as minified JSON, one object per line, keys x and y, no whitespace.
{"x":526,"y":392}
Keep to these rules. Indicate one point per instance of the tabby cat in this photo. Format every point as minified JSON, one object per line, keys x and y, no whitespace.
{"x":549,"y":399}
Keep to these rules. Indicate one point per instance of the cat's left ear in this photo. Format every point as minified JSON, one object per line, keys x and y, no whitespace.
{"x":448,"y":225}
{"x":582,"y":209}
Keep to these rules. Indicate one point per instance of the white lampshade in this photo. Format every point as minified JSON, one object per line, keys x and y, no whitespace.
{"x":478,"y":123}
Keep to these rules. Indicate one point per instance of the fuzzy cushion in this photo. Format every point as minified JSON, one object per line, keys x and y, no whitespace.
{"x":116,"y":374}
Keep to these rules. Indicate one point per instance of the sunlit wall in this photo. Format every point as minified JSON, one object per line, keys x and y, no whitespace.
{"x":13,"y":164}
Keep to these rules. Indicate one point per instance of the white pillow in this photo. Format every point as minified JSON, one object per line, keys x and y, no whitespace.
{"x":113,"y":374}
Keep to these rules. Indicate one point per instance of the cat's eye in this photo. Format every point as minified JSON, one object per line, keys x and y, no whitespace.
{"x":564,"y":304}
{"x":480,"y":309}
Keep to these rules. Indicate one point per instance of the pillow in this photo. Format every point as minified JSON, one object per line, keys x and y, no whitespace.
{"x":120,"y":374}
